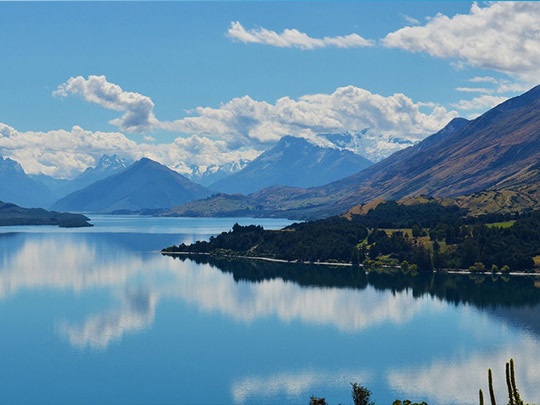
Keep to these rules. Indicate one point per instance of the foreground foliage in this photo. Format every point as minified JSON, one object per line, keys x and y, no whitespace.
{"x":362,"y":396}
{"x":514,"y":398}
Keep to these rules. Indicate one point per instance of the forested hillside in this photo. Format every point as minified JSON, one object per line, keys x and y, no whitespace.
{"x":423,"y":237}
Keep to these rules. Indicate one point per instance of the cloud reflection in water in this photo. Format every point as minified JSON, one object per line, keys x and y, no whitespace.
{"x":461,"y":378}
{"x":293,"y":384}
{"x":77,"y":264}
{"x":98,"y":331}
{"x":84,"y":265}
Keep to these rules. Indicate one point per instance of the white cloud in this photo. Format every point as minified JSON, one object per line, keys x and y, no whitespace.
{"x":409,"y":19}
{"x":503,"y":36}
{"x":483,"y":79}
{"x":513,"y":87}
{"x":474,"y":90}
{"x":493,"y":92}
{"x":138,"y":109}
{"x":483,"y":102}
{"x":501,"y":86}
{"x":292,"y":38}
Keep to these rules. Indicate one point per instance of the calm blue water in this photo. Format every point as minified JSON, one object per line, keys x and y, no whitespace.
{"x":97,"y":315}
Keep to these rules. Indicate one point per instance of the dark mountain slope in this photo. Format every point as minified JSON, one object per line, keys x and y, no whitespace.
{"x":144,"y":185}
{"x":488,"y":152}
{"x":483,"y":153}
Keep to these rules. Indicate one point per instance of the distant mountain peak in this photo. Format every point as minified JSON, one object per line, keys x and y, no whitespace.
{"x":453,"y":126}
{"x":149,"y":164}
{"x":145,"y":160}
{"x":106,"y":165}
{"x":9,"y":165}
{"x":293,"y":161}
{"x":111,"y":161}
{"x":207,"y":175}
{"x":146,"y":184}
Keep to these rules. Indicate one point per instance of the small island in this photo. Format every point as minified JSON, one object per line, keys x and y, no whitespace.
{"x":11,"y":215}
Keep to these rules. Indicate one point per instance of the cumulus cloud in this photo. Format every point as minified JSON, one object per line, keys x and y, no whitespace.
{"x":502,"y":36}
{"x":138,"y":109}
{"x":374,"y":121}
{"x":292,"y":38}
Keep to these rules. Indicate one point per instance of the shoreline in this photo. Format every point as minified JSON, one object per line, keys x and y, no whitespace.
{"x":269,"y":259}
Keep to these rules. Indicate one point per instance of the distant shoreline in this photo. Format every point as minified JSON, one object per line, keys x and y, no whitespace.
{"x":269,"y":259}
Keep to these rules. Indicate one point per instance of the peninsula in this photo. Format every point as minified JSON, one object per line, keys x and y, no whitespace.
{"x":11,"y":214}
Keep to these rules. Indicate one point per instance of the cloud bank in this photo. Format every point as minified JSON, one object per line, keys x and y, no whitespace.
{"x":67,"y":153}
{"x":292,"y":38}
{"x":503,"y":36}
{"x":238,"y":130}
{"x":375,"y":121}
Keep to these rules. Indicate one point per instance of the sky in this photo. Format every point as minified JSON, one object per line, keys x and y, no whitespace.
{"x":202,"y":84}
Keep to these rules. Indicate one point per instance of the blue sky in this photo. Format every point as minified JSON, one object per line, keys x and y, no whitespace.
{"x":195,"y":84}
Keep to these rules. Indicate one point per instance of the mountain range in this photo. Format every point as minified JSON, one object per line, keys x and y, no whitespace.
{"x":293,"y":162}
{"x":494,"y":157}
{"x":489,"y":164}
{"x":106,"y":166}
{"x":207,"y":175}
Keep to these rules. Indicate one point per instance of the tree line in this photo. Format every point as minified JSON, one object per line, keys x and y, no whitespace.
{"x":422,"y":237}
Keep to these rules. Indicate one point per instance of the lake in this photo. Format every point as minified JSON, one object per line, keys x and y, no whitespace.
{"x":98,"y":315}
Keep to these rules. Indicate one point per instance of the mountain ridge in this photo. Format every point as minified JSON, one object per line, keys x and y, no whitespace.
{"x":500,"y":148}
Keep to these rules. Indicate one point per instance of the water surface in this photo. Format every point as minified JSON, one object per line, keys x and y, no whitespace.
{"x":98,"y":315}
